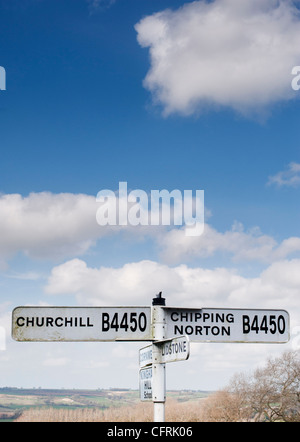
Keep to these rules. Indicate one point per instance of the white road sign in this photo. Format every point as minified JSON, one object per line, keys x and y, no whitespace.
{"x":145,"y":356}
{"x":81,"y":324}
{"x":146,"y":384}
{"x":227,"y":325}
{"x":169,"y":350}
{"x":173,"y":350}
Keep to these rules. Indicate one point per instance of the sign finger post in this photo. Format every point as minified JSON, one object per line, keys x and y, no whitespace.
{"x":169,"y":329}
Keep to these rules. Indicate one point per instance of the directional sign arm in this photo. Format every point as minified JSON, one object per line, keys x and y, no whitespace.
{"x":228,"y":325}
{"x":82,"y":324}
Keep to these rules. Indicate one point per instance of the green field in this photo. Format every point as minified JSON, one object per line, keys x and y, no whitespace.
{"x":13,"y":401}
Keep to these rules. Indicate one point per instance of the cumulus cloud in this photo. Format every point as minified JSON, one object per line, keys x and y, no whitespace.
{"x":251,"y":245}
{"x":221,"y":53}
{"x":137,"y":283}
{"x":47,"y":225}
{"x":133,"y":282}
{"x":289,"y":177}
{"x":59,"y":226}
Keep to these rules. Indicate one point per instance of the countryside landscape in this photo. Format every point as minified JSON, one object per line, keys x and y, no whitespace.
{"x":37,"y":404}
{"x":268,"y":394}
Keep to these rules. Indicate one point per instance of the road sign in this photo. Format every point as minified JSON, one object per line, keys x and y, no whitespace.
{"x":168,"y":350}
{"x":81,"y":324}
{"x":173,"y":350}
{"x":146,"y":384}
{"x":145,"y":356}
{"x":227,"y":325}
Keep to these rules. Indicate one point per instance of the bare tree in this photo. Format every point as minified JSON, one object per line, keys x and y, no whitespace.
{"x":222,"y":406}
{"x":271,"y":393}
{"x":284,"y":380}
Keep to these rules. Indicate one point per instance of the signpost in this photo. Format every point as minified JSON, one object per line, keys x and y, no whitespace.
{"x":170,"y":329}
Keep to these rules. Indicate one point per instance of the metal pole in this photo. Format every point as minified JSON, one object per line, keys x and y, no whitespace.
{"x":159,"y":370}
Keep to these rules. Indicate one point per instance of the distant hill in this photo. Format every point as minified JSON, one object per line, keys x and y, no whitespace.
{"x":14,"y":401}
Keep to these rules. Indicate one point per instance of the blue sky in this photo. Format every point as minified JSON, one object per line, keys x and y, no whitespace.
{"x":156,"y":94}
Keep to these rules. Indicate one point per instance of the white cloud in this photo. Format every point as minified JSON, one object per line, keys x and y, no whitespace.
{"x":134,"y":282}
{"x":221,"y":53}
{"x":276,"y":287}
{"x":137,"y":283}
{"x":289,"y":177}
{"x":48,"y":225}
{"x":242,"y":245}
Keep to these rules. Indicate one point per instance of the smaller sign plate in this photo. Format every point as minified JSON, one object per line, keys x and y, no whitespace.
{"x":168,"y":350}
{"x":172,"y":350}
{"x":145,"y":356}
{"x":146,"y":384}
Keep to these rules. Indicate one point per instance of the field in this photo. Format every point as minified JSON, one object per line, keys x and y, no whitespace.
{"x":17,"y":404}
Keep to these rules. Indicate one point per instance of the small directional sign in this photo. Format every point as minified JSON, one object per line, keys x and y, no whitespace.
{"x":146,"y":384}
{"x":173,"y":350}
{"x":168,"y":350}
{"x":82,"y":324}
{"x":145,"y":356}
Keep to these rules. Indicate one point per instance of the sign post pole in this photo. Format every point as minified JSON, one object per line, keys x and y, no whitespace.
{"x":159,"y":370}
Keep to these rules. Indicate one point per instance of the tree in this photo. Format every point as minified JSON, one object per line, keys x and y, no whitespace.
{"x":271,"y":393}
{"x":222,"y":406}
